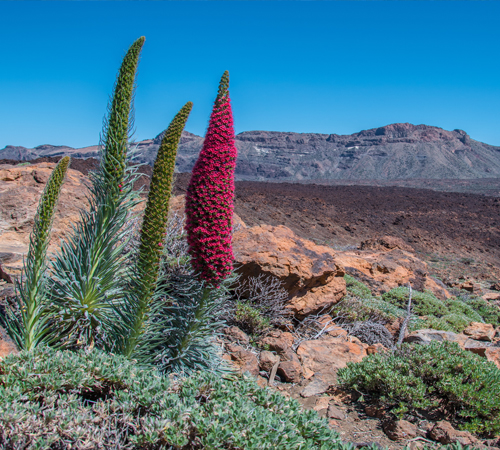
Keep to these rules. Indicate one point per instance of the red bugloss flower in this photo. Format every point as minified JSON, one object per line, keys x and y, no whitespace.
{"x":209,"y":198}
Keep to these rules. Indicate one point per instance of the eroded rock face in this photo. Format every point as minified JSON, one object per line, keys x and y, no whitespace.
{"x":20,"y":190}
{"x":386,"y":268}
{"x":7,"y":345}
{"x":309,"y":272}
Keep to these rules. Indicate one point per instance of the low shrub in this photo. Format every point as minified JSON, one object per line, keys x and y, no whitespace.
{"x":62,"y":399}
{"x":250,"y":319}
{"x":437,"y":378}
{"x":356,"y":287}
{"x":423,"y":303}
{"x":490,"y":313}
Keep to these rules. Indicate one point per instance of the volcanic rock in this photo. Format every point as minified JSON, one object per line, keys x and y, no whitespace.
{"x":309,"y":272}
{"x":324,"y":356}
{"x":480,"y":331}
{"x":444,"y":433}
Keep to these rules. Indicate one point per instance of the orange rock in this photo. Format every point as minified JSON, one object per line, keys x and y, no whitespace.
{"x":278,"y":341}
{"x":7,"y":345}
{"x":291,"y":371}
{"x":480,"y":331}
{"x":244,"y":360}
{"x":309,"y":272}
{"x":493,"y":354}
{"x":326,"y":355}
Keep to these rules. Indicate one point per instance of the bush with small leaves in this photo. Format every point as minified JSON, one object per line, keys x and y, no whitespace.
{"x":356,"y":287}
{"x":250,"y":319}
{"x":423,"y":303}
{"x":59,"y":399}
{"x":439,"y":377}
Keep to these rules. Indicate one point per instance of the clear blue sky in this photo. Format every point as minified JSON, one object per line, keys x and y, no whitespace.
{"x":303,"y":66}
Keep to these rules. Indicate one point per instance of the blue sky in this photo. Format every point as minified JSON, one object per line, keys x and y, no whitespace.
{"x":303,"y":66}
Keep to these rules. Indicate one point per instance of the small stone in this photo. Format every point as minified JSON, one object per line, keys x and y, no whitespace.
{"x":316,"y":387}
{"x":322,"y":403}
{"x":244,"y":360}
{"x":444,"y":433}
{"x":234,"y":334}
{"x":398,"y":430}
{"x":375,"y":348}
{"x":278,"y":341}
{"x":375,"y":411}
{"x":267,"y":360}
{"x":291,"y":371}
{"x":335,"y":413}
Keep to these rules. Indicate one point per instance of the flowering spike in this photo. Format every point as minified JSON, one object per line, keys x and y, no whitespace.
{"x":209,"y":198}
{"x":154,"y":224}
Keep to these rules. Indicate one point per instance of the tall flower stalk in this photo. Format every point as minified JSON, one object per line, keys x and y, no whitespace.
{"x":29,"y":326}
{"x":90,"y":271}
{"x":209,"y":198}
{"x":153,"y":229}
{"x":195,"y":314}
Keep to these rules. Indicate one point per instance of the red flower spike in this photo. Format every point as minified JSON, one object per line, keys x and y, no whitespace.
{"x":209,"y":198}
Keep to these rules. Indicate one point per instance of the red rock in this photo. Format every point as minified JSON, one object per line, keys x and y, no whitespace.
{"x":278,"y":341}
{"x":480,"y":331}
{"x":324,"y":356}
{"x":334,"y":412}
{"x":244,"y":360}
{"x":234,"y":334}
{"x":267,"y":361}
{"x":444,"y":433}
{"x":7,"y":345}
{"x":398,"y":430}
{"x":493,"y":354}
{"x":309,"y":272}
{"x":322,"y":403}
{"x":291,"y":371}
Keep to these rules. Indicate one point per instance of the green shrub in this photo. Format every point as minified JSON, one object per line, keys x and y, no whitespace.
{"x":436,"y":377}
{"x":61,"y":399}
{"x":250,"y":319}
{"x":357,"y":288}
{"x":423,"y":303}
{"x":456,"y":306}
{"x":450,"y":322}
{"x":490,"y":313}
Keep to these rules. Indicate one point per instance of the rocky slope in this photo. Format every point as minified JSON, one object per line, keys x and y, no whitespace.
{"x":400,"y":151}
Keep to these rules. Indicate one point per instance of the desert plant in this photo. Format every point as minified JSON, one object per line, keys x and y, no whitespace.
{"x":209,"y":197}
{"x":90,"y":399}
{"x":28,"y":325}
{"x":89,"y":272}
{"x":439,"y":377}
{"x":424,"y":303}
{"x":153,"y":231}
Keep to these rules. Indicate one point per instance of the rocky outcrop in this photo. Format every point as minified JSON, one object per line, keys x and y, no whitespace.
{"x":309,"y":272}
{"x":20,"y":190}
{"x":396,"y":151}
{"x":386,"y":263}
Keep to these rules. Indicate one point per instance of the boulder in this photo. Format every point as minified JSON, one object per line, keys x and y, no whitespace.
{"x":324,"y":356}
{"x":309,"y":272}
{"x":398,"y":430}
{"x":480,"y":331}
{"x":425,"y":336}
{"x":383,"y":270}
{"x":20,"y":190}
{"x":444,"y":433}
{"x":335,"y":412}
{"x":477,"y":347}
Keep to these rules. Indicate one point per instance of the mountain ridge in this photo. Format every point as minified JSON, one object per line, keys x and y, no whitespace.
{"x":395,"y":151}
